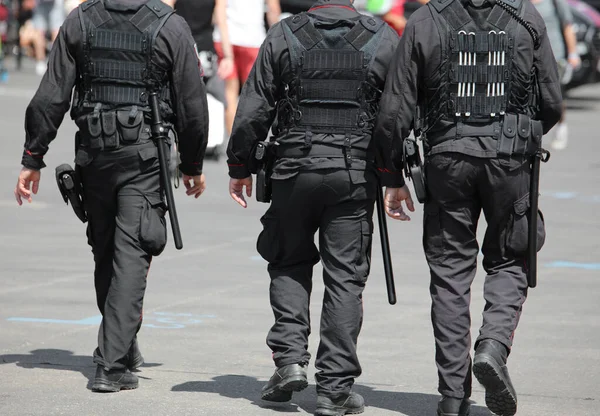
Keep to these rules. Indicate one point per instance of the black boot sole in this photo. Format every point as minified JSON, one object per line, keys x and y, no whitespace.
{"x":338,"y":411}
{"x":498,"y":396}
{"x":108,"y":387}
{"x":282,"y":391}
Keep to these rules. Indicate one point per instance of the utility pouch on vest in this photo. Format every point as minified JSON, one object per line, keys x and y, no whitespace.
{"x":93,"y":136}
{"x":109,"y":130}
{"x":130,"y":124}
{"x":508,"y":136}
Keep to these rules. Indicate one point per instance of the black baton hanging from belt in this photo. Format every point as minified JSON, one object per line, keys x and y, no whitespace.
{"x":160,"y":138}
{"x":385,"y":247}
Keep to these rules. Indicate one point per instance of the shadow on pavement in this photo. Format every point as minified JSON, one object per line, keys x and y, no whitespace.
{"x":55,"y":359}
{"x":244,"y":387}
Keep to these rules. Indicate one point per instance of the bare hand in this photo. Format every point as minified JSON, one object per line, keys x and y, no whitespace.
{"x":198,"y":186}
{"x":225,"y":68}
{"x":393,"y":203}
{"x":29,"y":181}
{"x":574,"y":61}
{"x":236,"y":189}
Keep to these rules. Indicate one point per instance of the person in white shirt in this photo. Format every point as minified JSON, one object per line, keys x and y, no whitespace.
{"x":245,"y":21}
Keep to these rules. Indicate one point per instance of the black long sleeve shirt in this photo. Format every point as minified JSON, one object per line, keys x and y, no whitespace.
{"x":257,"y":106}
{"x":415,"y":68}
{"x":174,"y":51}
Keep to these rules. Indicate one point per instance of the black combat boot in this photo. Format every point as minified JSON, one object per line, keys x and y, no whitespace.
{"x":134,"y":356}
{"x":284,"y":383}
{"x":451,"y":406}
{"x":347,"y":404}
{"x":114,"y":380}
{"x":489,"y":367}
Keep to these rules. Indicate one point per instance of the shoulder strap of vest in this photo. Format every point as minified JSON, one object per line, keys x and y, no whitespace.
{"x":95,"y":11}
{"x":148,"y":14}
{"x":500,"y":16}
{"x":451,"y":10}
{"x":304,"y":30}
{"x":363,"y":32}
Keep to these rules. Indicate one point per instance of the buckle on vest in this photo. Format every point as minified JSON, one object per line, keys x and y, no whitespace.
{"x":348,"y":150}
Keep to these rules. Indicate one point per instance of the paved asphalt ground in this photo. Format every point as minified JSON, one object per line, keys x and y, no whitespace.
{"x":207,"y":310}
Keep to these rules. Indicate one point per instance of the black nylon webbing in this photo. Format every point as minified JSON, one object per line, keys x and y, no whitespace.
{"x":118,"y":94}
{"x":309,"y":36}
{"x":143,"y":19}
{"x":109,"y":39}
{"x":323,"y":116}
{"x":98,"y":14}
{"x":325,"y":89}
{"x":359,"y":36}
{"x":122,"y":70}
{"x":328,"y":59}
{"x":499,"y":17}
{"x":456,"y":15}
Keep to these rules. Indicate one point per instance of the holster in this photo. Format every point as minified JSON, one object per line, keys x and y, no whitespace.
{"x":413,"y":168}
{"x":71,"y":189}
{"x":263,"y":159}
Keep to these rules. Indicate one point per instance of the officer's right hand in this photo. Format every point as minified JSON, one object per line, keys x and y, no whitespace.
{"x":393,"y":203}
{"x":236,"y":190}
{"x":28,"y":182}
{"x":199,"y":185}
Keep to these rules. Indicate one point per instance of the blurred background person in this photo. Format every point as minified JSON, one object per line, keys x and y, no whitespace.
{"x":48,"y":16}
{"x":559,"y":26}
{"x":203,"y":16}
{"x":246,"y":25}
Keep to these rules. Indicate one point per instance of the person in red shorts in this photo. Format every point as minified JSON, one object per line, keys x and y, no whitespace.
{"x":245,"y":21}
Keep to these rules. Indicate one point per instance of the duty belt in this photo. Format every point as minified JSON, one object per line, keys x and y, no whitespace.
{"x":322,"y":150}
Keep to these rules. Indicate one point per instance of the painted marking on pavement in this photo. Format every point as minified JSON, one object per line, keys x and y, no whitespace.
{"x":574,"y":265}
{"x":573,"y":195}
{"x":159,"y":320}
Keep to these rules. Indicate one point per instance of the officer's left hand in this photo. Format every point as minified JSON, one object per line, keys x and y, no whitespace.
{"x":393,"y":203}
{"x":197,"y":188}
{"x":28,"y":182}
{"x":236,"y":190}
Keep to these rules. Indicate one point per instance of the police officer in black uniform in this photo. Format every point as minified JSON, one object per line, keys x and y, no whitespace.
{"x":317,"y":80}
{"x":115,"y":53}
{"x":474,"y":68}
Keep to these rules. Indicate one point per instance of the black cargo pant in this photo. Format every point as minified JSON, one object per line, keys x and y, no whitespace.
{"x":327,"y":201}
{"x":126,"y":228}
{"x":460,"y":187}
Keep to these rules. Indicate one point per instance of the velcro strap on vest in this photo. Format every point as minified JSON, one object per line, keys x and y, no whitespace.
{"x":109,"y":39}
{"x":121,"y":70}
{"x":320,"y":117}
{"x":334,"y":90}
{"x":363,"y":32}
{"x":96,"y":12}
{"x":331,"y":59}
{"x":119,"y":94}
{"x":321,"y":150}
{"x":454,"y":13}
{"x":304,"y":30}
{"x":149,"y":14}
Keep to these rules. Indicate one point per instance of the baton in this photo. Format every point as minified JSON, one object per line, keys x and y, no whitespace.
{"x":385,"y":248}
{"x":160,"y":138}
{"x":540,"y":156}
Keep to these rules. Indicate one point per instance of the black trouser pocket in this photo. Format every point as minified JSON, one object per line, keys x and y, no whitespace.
{"x":153,"y":226}
{"x":267,"y":244}
{"x":516,"y":234}
{"x":433,"y":237}
{"x":363,"y":262}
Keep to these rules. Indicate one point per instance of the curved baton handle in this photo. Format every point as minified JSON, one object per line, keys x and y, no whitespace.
{"x":385,"y":248}
{"x":160,"y":138}
{"x":540,"y":156}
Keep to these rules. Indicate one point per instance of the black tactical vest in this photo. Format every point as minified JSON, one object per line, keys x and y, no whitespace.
{"x":116,"y":70}
{"x":330,"y":92}
{"x":478,"y":86}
